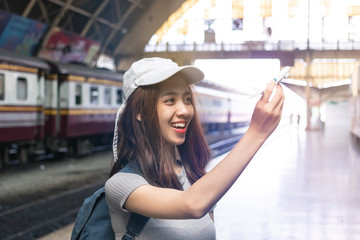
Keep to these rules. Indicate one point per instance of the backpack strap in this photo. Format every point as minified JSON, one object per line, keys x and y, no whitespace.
{"x":135,"y":225}
{"x":136,"y":221}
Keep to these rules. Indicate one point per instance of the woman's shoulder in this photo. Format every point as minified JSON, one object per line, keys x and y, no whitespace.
{"x":121,"y":185}
{"x":129,"y":175}
{"x":123,"y":182}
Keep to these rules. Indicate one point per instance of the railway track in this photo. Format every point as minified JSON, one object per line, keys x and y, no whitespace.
{"x":41,"y":217}
{"x":220,"y":147}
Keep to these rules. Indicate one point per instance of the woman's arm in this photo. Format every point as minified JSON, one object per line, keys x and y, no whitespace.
{"x":198,"y":200}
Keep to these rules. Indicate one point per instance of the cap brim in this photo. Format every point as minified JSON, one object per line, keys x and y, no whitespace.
{"x":191,"y":75}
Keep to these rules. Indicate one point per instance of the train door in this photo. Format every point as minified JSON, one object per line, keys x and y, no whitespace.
{"x":51,"y":110}
{"x":40,"y":116}
{"x":56,"y":101}
{"x":60,"y":103}
{"x":2,"y":85}
{"x":3,"y":150}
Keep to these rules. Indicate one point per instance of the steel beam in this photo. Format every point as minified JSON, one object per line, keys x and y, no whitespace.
{"x":94,"y":17}
{"x":6,"y":5}
{"x":119,"y":24}
{"x":64,"y":8}
{"x":43,"y":11}
{"x":28,"y":8}
{"x":84,"y":13}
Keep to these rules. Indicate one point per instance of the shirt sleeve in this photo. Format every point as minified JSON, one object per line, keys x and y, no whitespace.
{"x":120,"y":186}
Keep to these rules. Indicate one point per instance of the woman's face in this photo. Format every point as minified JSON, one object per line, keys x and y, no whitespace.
{"x":175,"y":110}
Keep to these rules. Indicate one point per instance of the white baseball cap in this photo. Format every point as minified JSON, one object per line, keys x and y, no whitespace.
{"x":149,"y":71}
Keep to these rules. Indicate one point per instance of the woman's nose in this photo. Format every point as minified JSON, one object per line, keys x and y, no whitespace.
{"x":182,"y":109}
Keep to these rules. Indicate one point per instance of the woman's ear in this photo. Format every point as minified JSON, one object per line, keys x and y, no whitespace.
{"x":138,"y":117}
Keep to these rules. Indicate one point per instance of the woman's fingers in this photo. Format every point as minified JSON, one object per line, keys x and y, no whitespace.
{"x":271,"y":96}
{"x":279,"y":97}
{"x":268,"y":91}
{"x":267,"y":112}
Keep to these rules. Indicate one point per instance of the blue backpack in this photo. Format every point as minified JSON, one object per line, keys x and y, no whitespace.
{"x":93,"y":220}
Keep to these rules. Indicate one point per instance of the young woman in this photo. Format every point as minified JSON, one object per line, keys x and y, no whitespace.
{"x":160,"y":136}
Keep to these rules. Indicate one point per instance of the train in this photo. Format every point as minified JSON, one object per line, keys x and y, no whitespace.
{"x":221,"y":108}
{"x":51,"y":108}
{"x":355,"y":117}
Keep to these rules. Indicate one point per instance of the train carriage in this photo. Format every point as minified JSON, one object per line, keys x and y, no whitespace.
{"x":83,"y":115}
{"x":21,"y":103}
{"x":222,"y":108}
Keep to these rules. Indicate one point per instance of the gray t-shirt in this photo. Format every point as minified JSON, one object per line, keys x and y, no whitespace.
{"x":119,"y":187}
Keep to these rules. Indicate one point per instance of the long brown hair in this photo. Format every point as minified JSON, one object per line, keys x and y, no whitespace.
{"x":141,"y":141}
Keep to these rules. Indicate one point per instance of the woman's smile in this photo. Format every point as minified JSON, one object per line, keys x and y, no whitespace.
{"x":179,"y":127}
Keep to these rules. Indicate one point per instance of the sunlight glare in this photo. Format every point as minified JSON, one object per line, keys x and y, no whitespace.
{"x":248,"y":76}
{"x":245,"y":75}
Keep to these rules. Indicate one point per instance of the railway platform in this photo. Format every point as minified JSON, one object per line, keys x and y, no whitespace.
{"x":300,"y":185}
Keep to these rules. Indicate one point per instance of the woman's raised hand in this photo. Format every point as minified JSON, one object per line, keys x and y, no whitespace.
{"x":267,"y":112}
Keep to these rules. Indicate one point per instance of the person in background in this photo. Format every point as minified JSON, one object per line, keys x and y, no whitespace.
{"x":159,"y":135}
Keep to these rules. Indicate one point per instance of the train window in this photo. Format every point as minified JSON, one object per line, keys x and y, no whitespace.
{"x":2,"y":87}
{"x":119,"y":96}
{"x":94,"y":95}
{"x":21,"y":88}
{"x":107,"y":96}
{"x":78,"y":95}
{"x":216,"y":103}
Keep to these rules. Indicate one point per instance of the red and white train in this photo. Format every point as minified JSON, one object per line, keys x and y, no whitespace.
{"x":49,"y":108}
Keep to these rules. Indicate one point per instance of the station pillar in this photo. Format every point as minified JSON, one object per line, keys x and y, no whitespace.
{"x":307,"y":90}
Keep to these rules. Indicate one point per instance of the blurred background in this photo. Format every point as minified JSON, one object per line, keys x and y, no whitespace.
{"x":61,"y":71}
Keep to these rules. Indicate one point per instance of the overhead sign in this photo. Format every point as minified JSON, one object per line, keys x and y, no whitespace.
{"x":64,"y":46}
{"x":18,"y":34}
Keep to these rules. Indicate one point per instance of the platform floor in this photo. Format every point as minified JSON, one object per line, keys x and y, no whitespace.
{"x":300,"y":185}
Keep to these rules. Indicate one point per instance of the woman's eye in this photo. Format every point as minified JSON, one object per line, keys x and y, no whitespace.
{"x":170,"y":100}
{"x":188,"y":100}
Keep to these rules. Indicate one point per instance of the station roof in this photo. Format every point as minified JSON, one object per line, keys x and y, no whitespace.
{"x":122,"y":27}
